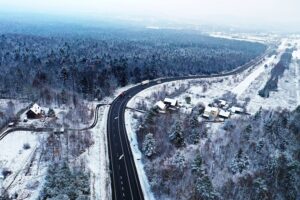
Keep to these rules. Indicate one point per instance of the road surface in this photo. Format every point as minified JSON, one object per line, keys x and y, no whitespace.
{"x":124,"y":178}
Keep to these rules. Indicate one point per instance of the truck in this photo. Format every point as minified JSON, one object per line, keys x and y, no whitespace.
{"x":145,"y":82}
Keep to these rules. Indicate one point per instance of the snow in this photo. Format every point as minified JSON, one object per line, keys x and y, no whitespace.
{"x":161,"y":105}
{"x":98,"y":159}
{"x":287,"y":95}
{"x":296,"y":65}
{"x":16,"y":159}
{"x":241,"y":88}
{"x":137,"y":155}
{"x":261,"y":38}
{"x":172,"y":102}
{"x":36,"y":109}
{"x":12,"y":147}
{"x":224,"y":113}
{"x":246,"y":84}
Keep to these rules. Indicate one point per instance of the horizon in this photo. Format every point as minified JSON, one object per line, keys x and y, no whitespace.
{"x":231,"y":13}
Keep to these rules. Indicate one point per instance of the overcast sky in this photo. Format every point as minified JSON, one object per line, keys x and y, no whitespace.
{"x":242,"y":11}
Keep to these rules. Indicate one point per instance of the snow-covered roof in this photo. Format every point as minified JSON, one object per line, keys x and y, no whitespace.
{"x":211,"y":109}
{"x":36,"y":109}
{"x":172,"y":102}
{"x":222,"y":102}
{"x":161,"y":105}
{"x":206,"y":115}
{"x":224,"y":113}
{"x":236,"y":109}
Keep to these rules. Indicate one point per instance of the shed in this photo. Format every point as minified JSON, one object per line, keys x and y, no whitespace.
{"x":34,"y":112}
{"x":235,"y":109}
{"x":222,"y":102}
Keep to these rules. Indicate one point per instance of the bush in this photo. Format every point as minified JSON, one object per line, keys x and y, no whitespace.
{"x":188,"y":100}
{"x":26,"y":146}
{"x":51,"y":113}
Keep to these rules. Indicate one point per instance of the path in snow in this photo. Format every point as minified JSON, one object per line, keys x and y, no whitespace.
{"x":296,"y":56}
{"x":242,"y":86}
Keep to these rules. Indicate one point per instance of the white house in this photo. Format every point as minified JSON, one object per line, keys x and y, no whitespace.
{"x":34,"y":112}
{"x":210,"y":111}
{"x":160,"y":105}
{"x":171,"y":102}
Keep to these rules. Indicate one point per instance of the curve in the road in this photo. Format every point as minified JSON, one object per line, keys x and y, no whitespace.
{"x":125,"y":182}
{"x":34,"y":129}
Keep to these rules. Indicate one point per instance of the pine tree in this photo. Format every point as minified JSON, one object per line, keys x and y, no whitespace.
{"x":205,"y":188}
{"x":197,"y":165}
{"x":261,"y":189}
{"x":51,"y":113}
{"x":239,"y":163}
{"x":177,"y":135}
{"x":149,"y":145}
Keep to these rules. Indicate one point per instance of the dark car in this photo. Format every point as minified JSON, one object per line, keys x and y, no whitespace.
{"x":122,"y":94}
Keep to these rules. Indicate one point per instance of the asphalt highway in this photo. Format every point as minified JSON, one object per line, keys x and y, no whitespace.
{"x":124,"y":178}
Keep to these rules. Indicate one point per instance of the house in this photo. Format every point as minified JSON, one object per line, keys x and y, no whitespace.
{"x":34,"y":112}
{"x":224,"y":114}
{"x":161,"y":106}
{"x":171,"y":102}
{"x":210,"y":111}
{"x":235,"y":109}
{"x":222,"y":103}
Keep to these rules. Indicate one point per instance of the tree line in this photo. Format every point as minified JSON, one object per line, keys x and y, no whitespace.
{"x":59,"y":69}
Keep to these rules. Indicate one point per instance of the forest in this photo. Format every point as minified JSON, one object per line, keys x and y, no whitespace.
{"x":252,"y":157}
{"x":58,"y":68}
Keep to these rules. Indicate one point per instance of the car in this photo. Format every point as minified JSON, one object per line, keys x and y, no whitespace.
{"x":122,"y":94}
{"x":11,"y":124}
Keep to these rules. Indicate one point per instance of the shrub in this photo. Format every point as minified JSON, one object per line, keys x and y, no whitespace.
{"x":188,"y":100}
{"x":26,"y":146}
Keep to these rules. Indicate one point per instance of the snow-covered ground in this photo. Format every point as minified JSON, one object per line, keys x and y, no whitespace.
{"x":27,"y":174}
{"x":241,"y":87}
{"x":17,"y":104}
{"x":261,"y":38}
{"x":27,"y":181}
{"x":137,"y":155}
{"x":98,"y":160}
{"x":287,"y":95}
{"x":246,"y":84}
{"x":97,"y":156}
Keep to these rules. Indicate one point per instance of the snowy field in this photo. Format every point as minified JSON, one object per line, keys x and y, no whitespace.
{"x":261,"y":38}
{"x":97,"y":159}
{"x":27,"y":173}
{"x":244,"y":85}
{"x":287,"y":95}
{"x":17,"y":104}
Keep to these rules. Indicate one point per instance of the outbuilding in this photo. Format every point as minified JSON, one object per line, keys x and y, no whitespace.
{"x":222,"y":103}
{"x":237,"y":110}
{"x":224,"y":114}
{"x":34,"y":112}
